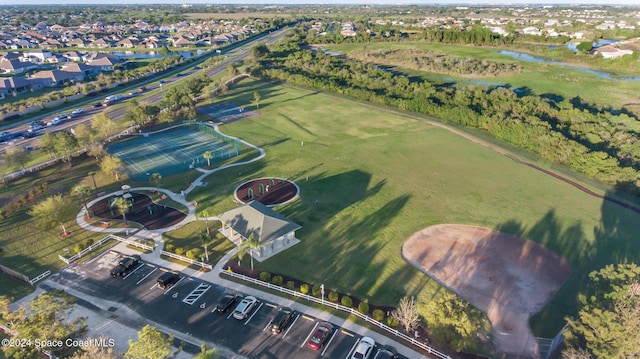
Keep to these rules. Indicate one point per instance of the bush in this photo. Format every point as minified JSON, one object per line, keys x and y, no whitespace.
{"x":277,"y":280}
{"x":170,"y":248}
{"x":291,"y":285}
{"x":265,"y":276}
{"x":304,"y":288}
{"x":180,"y":251}
{"x":192,"y":254}
{"x":88,"y":242}
{"x":378,"y":314}
{"x":316,"y":290}
{"x":363,"y":307}
{"x":78,"y":248}
{"x":333,"y":296}
{"x":392,"y":322}
{"x":346,"y":301}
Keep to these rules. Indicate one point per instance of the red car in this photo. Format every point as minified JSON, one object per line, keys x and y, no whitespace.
{"x":320,"y":336}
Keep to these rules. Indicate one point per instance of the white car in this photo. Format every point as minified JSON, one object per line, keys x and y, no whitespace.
{"x":55,"y":121}
{"x":364,"y":348}
{"x":77,"y":111}
{"x":244,"y":307}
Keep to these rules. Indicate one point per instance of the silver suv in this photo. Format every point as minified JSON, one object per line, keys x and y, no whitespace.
{"x":244,"y":307}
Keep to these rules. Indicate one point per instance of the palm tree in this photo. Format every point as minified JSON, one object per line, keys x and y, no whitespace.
{"x":256,"y":98}
{"x":208,"y":156}
{"x":156,"y":177}
{"x":205,"y":214}
{"x":123,"y":207}
{"x":250,"y":244}
{"x":82,"y":191}
{"x":204,"y":237}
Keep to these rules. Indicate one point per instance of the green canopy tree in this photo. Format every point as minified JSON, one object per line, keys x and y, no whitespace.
{"x":122,"y":205}
{"x":47,"y":320}
{"x":103,"y":126}
{"x":52,"y":211}
{"x":95,"y":352}
{"x":17,"y":155}
{"x":112,"y":165}
{"x":47,"y":143}
{"x":82,"y":192}
{"x":232,"y":70}
{"x":151,"y":344}
{"x":65,"y":144}
{"x":83,"y":134}
{"x":608,"y":323}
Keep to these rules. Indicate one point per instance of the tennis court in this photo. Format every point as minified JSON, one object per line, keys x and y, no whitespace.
{"x":172,"y":151}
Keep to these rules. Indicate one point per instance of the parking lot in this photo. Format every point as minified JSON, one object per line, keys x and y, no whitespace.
{"x":189,"y":307}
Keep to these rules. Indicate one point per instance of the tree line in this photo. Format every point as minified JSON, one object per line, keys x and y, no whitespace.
{"x":598,"y":142}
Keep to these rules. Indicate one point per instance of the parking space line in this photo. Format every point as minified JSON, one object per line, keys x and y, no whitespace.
{"x":329,"y":342}
{"x":196,"y":293}
{"x":352,"y":348}
{"x":310,"y":334}
{"x":272,"y":305}
{"x":133,"y":271}
{"x":267,"y":326}
{"x":254,"y":313}
{"x":290,"y":326}
{"x":145,"y":277}
{"x":173,"y":286}
{"x":308,"y":317}
{"x":347,"y":333}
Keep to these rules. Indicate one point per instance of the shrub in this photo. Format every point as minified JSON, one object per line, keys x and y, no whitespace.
{"x":78,"y":248}
{"x":170,"y":248}
{"x":291,"y":285}
{"x":192,"y":254}
{"x":363,"y":307}
{"x":277,"y":280}
{"x":180,"y":251}
{"x":88,"y":242}
{"x":346,"y":301}
{"x":265,"y":276}
{"x":333,"y":296}
{"x":304,"y":288}
{"x":392,"y":322}
{"x":378,"y":314}
{"x":316,"y":290}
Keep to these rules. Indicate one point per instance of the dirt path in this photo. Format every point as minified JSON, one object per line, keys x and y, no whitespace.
{"x":507,"y":277}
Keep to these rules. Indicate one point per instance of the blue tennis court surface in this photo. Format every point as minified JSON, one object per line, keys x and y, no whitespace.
{"x":172,"y":151}
{"x":226,"y":112}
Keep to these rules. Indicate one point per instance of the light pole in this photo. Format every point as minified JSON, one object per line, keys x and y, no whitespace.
{"x":322,"y":292}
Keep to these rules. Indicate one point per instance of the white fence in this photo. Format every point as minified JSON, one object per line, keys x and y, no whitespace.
{"x":187,"y":260}
{"x":351,"y":311}
{"x":36,"y":279}
{"x":79,"y":255}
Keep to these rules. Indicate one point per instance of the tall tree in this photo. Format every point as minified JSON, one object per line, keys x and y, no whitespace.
{"x":96,"y":150}
{"x":83,"y":134}
{"x":82,"y":192}
{"x":17,"y":155}
{"x":407,"y":313}
{"x":250,"y":245}
{"x":256,"y":98}
{"x":52,"y":211}
{"x":112,"y":165}
{"x":47,"y":142}
{"x":608,"y":323}
{"x":204,"y":238}
{"x":103,"y":126}
{"x":207,"y":155}
{"x":232,"y":70}
{"x":156,"y":178}
{"x":65,"y":144}
{"x":46,"y":321}
{"x":151,"y":344}
{"x":122,"y":205}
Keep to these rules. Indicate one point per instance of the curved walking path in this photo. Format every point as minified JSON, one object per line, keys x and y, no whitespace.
{"x":213,"y":275}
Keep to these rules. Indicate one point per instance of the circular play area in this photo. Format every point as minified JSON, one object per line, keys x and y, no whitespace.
{"x":270,"y":191}
{"x":142,"y":210}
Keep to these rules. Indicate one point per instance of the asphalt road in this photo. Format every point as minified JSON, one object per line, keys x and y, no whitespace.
{"x":188,"y":307}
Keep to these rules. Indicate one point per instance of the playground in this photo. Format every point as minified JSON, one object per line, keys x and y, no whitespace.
{"x":270,"y":191}
{"x":172,"y":151}
{"x":226,"y":112}
{"x":142,"y":210}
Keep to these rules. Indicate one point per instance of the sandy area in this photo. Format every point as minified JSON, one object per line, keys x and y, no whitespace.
{"x":507,"y":277}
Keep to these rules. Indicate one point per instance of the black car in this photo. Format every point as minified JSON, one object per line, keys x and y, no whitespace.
{"x":167,"y":280}
{"x":125,"y":265}
{"x":96,"y":104}
{"x":387,"y":352}
{"x":226,"y":302}
{"x":282,"y":319}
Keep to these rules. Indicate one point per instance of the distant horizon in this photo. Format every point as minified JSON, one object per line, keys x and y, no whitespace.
{"x":328,"y":2}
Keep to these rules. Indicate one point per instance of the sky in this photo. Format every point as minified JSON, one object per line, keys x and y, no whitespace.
{"x":373,"y":2}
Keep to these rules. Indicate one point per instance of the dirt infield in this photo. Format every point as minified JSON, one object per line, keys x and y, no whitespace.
{"x":507,"y":277}
{"x":143,"y":211}
{"x":268,"y":191}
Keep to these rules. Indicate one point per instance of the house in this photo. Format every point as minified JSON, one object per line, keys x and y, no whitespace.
{"x":272,"y":230}
{"x":84,"y":69}
{"x":128,"y":43}
{"x":182,"y":43}
{"x":52,"y":78}
{"x":77,"y":42}
{"x":37,"y":56}
{"x":18,"y":85}
{"x":100,"y":43}
{"x":50,"y":44}
{"x":16,"y":66}
{"x":105,"y":61}
{"x":611,"y":52}
{"x":74,"y":56}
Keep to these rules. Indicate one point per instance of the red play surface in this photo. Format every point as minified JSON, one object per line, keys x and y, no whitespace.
{"x":276,"y":191}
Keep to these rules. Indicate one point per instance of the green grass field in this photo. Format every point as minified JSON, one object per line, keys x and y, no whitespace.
{"x":379,"y":177}
{"x":541,"y":78}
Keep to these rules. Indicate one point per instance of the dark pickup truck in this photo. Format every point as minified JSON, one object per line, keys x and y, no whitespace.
{"x":125,"y":265}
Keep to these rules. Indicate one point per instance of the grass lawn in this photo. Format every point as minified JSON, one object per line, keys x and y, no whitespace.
{"x":188,"y":237}
{"x":379,"y":177}
{"x":541,"y":78}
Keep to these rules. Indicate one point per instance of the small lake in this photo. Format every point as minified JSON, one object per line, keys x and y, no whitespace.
{"x":602,"y":74}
